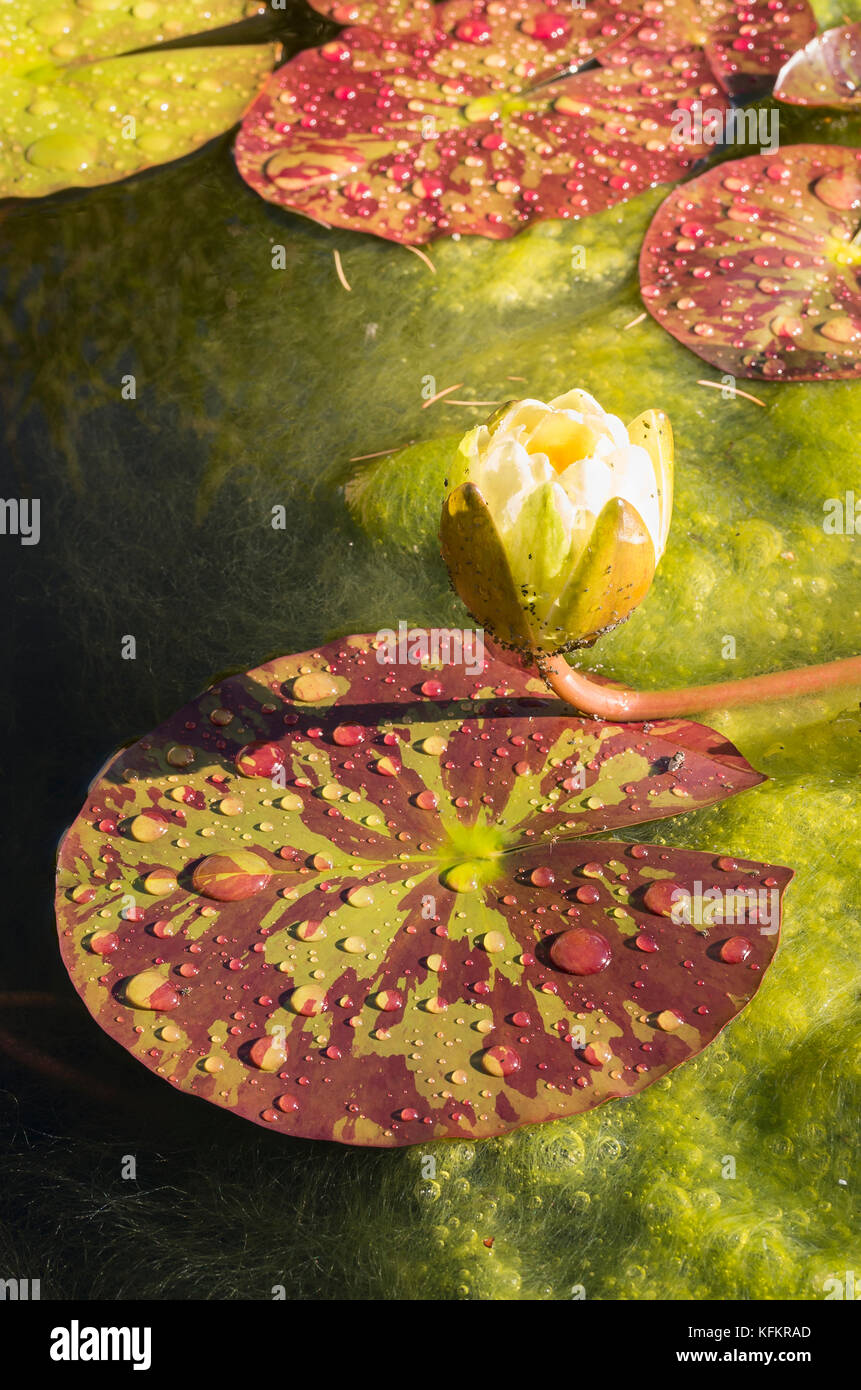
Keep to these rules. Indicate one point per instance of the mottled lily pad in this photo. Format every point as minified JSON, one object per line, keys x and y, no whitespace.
{"x":756,"y":266}
{"x":420,"y":135}
{"x":72,"y":114}
{"x":573,"y":31}
{"x":826,"y":72}
{"x":391,"y":15}
{"x":353,"y":900}
{"x":746,"y":42}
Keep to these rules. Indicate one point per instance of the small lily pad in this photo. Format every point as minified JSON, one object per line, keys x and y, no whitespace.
{"x":746,"y":42}
{"x":351,"y":898}
{"x":464,"y":130}
{"x":756,"y":267}
{"x":826,"y":72}
{"x":75,"y":112}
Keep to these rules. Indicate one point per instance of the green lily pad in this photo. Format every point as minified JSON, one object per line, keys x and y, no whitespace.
{"x":348,"y":896}
{"x":78,"y":109}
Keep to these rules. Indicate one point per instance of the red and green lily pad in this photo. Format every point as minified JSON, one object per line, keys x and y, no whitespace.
{"x":351,"y":898}
{"x":391,"y":15}
{"x":420,"y":135}
{"x":826,"y":72}
{"x":756,"y":264}
{"x":746,"y":42}
{"x":79,"y":107}
{"x":574,"y":31}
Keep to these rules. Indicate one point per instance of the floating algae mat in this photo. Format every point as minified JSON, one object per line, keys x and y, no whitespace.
{"x":237,"y":456}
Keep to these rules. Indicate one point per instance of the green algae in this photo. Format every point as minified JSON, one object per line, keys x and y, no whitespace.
{"x":254,"y":388}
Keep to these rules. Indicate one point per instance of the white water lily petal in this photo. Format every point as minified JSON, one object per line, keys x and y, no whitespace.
{"x":634,"y":479}
{"x":616,"y":430}
{"x":522,"y":419}
{"x":589,"y":485}
{"x":474,"y":444}
{"x":506,"y":476}
{"x":576,"y":400}
{"x":626,"y":473}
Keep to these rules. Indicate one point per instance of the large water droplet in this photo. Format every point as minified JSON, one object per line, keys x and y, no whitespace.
{"x":735,"y":950}
{"x":581,"y":952}
{"x":150,"y":990}
{"x":659,"y":897}
{"x":500,"y":1060}
{"x":268,"y":1054}
{"x":308,"y":1000}
{"x":231,"y":877}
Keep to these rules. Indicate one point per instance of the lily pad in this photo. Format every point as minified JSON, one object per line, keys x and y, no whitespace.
{"x":417,"y":136}
{"x":392,"y":15}
{"x":746,"y":42}
{"x":755,"y":265}
{"x":72,"y":114}
{"x":352,"y":899}
{"x":574,"y":32}
{"x":826,"y":72}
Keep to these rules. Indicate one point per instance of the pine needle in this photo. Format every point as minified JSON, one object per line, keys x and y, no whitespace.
{"x":719,"y":386}
{"x":381,"y":453}
{"x":340,"y":269}
{"x":422,"y":257}
{"x":439,"y":395}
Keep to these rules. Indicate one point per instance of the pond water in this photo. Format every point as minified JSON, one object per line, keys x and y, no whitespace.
{"x":254,"y":388}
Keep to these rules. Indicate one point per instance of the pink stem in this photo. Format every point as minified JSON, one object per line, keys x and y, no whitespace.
{"x":591,"y":696}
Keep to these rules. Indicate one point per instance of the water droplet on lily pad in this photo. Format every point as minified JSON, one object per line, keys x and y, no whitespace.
{"x":735,"y":950}
{"x":150,"y":990}
{"x":231,"y":877}
{"x":462,"y":878}
{"x":581,"y":951}
{"x":500,"y":1060}
{"x":308,"y":1000}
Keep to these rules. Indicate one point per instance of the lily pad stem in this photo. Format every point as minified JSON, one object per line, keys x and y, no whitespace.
{"x":591,"y":695}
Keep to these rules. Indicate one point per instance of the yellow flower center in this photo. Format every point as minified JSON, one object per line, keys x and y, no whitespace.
{"x":842,"y":252}
{"x":563,"y":440}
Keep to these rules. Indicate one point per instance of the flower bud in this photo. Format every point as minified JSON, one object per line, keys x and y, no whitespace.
{"x":554,"y":536}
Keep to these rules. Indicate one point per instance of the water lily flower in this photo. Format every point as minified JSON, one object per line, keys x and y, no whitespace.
{"x":554,"y":535}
